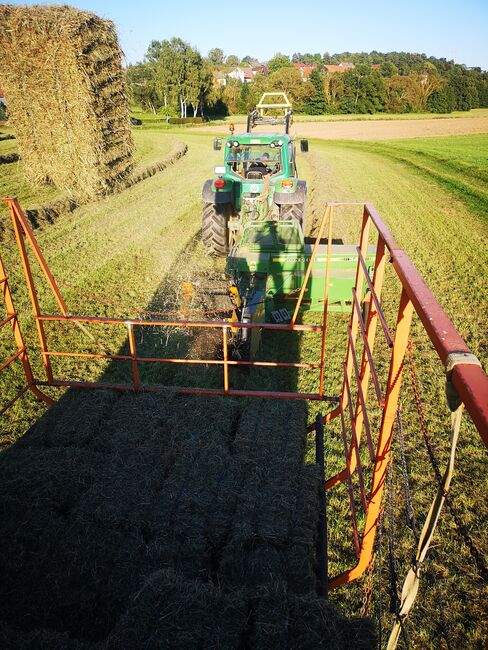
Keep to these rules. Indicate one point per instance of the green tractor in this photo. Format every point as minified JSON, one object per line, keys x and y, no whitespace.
{"x":253,"y":215}
{"x":257,"y":182}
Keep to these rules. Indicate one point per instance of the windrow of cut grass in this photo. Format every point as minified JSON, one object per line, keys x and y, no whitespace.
{"x":151,"y":148}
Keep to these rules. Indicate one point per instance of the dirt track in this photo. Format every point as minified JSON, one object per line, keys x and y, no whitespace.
{"x":381,"y":129}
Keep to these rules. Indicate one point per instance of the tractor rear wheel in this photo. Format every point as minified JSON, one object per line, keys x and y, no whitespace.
{"x":214,"y":228}
{"x":292,"y":211}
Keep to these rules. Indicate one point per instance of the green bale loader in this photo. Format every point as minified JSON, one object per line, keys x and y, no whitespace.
{"x":267,"y":270}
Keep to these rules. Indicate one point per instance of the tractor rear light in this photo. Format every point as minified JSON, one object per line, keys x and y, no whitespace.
{"x":219,"y":183}
{"x":287,"y":184}
{"x":219,"y":170}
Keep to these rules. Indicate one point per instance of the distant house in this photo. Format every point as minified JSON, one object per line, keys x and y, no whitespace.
{"x":342,"y":67}
{"x":305,"y":70}
{"x":259,"y":67}
{"x":219,"y":78}
{"x":244,"y":74}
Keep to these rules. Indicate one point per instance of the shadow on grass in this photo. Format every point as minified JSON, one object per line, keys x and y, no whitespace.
{"x":135,"y":520}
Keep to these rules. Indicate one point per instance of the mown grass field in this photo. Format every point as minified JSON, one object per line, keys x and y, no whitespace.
{"x":132,"y":251}
{"x":438,"y":214}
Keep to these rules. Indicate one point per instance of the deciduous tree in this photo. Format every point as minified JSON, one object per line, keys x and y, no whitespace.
{"x":215,"y":56}
{"x":279,"y":61}
{"x":289,"y":81}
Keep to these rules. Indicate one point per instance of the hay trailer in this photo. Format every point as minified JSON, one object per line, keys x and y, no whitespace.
{"x":375,"y":351}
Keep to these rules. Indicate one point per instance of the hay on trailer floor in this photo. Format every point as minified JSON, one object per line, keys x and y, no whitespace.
{"x":164,"y":521}
{"x":62,"y":74}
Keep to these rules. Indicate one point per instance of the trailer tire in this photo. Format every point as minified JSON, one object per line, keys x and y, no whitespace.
{"x":292,"y":211}
{"x":214,"y":228}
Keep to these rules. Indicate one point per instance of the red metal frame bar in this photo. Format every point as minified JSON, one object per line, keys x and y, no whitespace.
{"x":7,"y":320}
{"x":209,"y":324}
{"x":22,"y":353}
{"x":327,"y":215}
{"x":381,"y":315}
{"x":355,"y":443}
{"x":206,"y":362}
{"x":400,"y":343}
{"x":192,"y":391}
{"x":11,"y":359}
{"x":367,"y":348}
{"x":469,"y":380}
{"x":349,"y":485}
{"x":362,"y":399}
{"x":133,"y":355}
{"x":326,"y":304}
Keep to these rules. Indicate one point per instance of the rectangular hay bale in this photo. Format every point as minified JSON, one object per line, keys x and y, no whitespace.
{"x":67,"y":97}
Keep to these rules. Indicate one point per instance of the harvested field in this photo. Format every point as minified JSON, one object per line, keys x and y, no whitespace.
{"x":131,"y":252}
{"x":154,"y":153}
{"x":379,"y":129}
{"x":165,"y":521}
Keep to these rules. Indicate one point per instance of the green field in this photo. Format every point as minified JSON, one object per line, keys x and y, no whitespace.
{"x":132,"y":251}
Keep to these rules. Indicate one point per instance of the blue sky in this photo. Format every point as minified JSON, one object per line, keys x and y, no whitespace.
{"x":456,"y":30}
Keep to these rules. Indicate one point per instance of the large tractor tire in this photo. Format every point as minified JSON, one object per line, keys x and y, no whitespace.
{"x":293,"y":211}
{"x":214,"y":228}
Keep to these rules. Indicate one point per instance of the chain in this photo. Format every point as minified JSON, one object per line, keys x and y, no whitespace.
{"x":391,"y":539}
{"x":406,"y":483}
{"x":380,"y":571}
{"x":394,"y":600}
{"x":460,"y":527}
{"x":368,"y":590}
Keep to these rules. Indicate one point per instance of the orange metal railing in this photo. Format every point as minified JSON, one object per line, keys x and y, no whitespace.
{"x":21,"y":354}
{"x":25,"y":236}
{"x":468,"y":379}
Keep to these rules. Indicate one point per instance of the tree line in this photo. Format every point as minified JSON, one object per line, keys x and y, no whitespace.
{"x":176,"y":80}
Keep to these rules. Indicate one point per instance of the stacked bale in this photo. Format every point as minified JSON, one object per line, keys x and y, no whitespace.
{"x":164,"y":521}
{"x":67,"y":97}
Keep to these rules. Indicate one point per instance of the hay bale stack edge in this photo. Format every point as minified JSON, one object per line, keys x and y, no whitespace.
{"x":61,"y":69}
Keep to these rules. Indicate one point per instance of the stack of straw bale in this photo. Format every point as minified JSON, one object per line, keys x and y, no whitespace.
{"x":164,"y":521}
{"x":67,"y":97}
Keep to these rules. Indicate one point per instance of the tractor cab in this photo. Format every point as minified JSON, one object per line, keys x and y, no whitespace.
{"x":255,"y":159}
{"x":258,"y":180}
